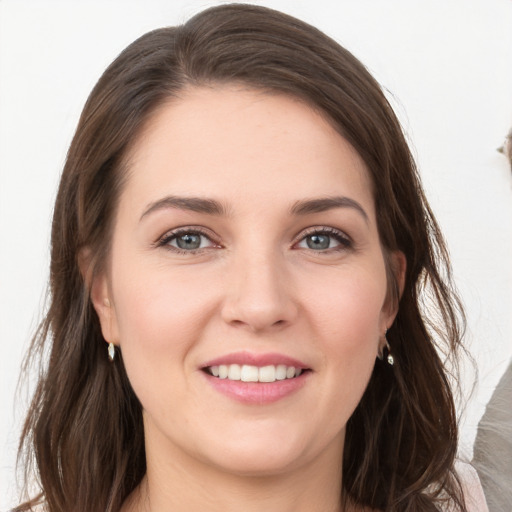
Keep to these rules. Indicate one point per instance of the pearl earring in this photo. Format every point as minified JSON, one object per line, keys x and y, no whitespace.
{"x":111,"y":352}
{"x":389,"y":357}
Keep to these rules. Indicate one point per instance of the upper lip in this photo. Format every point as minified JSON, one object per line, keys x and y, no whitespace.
{"x":252,"y":359}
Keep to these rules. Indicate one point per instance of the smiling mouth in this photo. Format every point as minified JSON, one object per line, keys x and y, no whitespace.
{"x":250,"y":373}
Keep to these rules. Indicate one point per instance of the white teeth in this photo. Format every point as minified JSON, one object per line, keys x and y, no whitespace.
{"x":249,"y":373}
{"x":267,"y":374}
{"x":281,"y":372}
{"x":234,"y":372}
{"x":223,"y":371}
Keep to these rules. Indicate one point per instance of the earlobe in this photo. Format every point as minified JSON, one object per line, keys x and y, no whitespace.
{"x":104,"y":308}
{"x":99,"y":293}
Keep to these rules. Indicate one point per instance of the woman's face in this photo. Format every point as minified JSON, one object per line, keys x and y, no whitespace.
{"x":246,"y":285}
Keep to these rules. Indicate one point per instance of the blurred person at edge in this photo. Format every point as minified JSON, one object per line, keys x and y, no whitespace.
{"x":492,"y":456}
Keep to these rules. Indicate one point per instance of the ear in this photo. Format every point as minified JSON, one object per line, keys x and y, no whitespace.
{"x":397,"y":268}
{"x":100,"y":295}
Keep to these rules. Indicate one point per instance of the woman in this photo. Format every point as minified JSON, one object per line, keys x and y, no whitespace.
{"x":241,"y":223}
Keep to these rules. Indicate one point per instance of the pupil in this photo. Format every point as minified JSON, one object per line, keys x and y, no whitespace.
{"x":188,"y":241}
{"x":318,"y":242}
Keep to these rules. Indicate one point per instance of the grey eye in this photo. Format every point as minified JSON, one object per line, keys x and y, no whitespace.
{"x":188,"y":241}
{"x":325,"y":239}
{"x":318,"y":242}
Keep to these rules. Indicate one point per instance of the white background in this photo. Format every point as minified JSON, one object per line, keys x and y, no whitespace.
{"x":446,"y":63}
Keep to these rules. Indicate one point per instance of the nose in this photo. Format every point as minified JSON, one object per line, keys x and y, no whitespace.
{"x":260,"y":294}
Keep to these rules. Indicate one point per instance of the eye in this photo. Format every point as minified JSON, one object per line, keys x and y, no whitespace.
{"x":186,"y":240}
{"x":324,"y":239}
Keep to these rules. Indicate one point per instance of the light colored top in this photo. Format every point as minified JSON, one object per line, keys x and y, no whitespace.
{"x":473,"y":491}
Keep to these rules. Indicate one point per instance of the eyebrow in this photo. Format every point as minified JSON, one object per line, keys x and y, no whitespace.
{"x":193,"y":204}
{"x":213,"y":207}
{"x":310,"y":206}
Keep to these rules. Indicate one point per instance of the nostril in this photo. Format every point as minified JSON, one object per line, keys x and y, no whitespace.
{"x":258,"y":311}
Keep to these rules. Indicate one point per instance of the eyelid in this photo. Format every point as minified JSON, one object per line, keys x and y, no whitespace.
{"x":344,"y":240}
{"x":163,"y":241}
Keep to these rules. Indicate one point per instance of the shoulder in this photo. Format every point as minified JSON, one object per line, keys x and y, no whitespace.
{"x":472,"y":488}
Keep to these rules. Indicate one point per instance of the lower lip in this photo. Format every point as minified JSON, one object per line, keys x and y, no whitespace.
{"x":257,"y":392}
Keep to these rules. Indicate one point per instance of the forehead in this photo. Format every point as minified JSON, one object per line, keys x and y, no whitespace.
{"x":242,"y":144}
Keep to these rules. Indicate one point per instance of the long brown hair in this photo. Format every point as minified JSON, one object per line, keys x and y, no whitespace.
{"x":84,"y":435}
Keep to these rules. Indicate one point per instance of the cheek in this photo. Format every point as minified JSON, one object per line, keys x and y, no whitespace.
{"x":355,"y":330}
{"x":350,"y":312}
{"x":158,"y":312}
{"x":346,"y":321}
{"x":160,"y":319}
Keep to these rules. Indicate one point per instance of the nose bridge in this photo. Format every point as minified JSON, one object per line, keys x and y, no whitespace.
{"x":259,"y":292}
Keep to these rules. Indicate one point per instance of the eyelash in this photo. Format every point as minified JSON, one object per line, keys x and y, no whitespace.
{"x":345,"y":243}
{"x":165,"y":240}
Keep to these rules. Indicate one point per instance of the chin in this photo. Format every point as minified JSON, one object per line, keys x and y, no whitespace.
{"x":259,"y":463}
{"x":260,"y":453}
